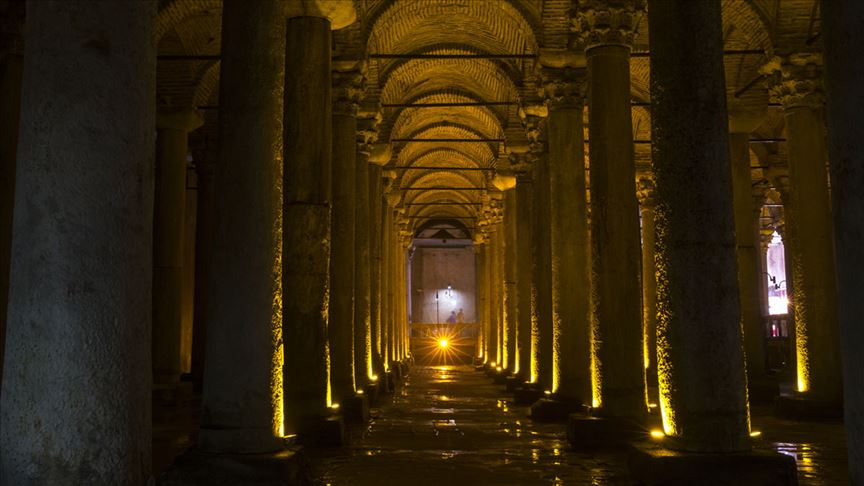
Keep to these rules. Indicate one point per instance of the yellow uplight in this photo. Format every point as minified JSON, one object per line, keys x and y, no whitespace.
{"x":657,"y":434}
{"x":756,"y":433}
{"x":443,"y":343}
{"x":374,"y":377}
{"x":334,"y":406}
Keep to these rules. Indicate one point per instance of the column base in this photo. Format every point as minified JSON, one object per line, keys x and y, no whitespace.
{"x":356,"y":409}
{"x":500,"y":378}
{"x":513,"y":382}
{"x":527,"y":394}
{"x":654,"y":464}
{"x":196,"y":468}
{"x":238,"y":441}
{"x":390,"y":380}
{"x":586,"y":432}
{"x":373,"y":393}
{"x":322,"y":432}
{"x":803,"y":407}
{"x":553,"y":409}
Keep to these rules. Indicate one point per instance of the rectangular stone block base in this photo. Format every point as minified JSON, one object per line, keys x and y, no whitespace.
{"x":802,"y":407}
{"x":527,"y":395}
{"x":585,"y":432}
{"x":196,"y":468}
{"x":651,"y":463}
{"x":500,"y":378}
{"x":323,"y":432}
{"x":356,"y":409}
{"x":512,"y":383}
{"x":373,"y":393}
{"x":551,"y":410}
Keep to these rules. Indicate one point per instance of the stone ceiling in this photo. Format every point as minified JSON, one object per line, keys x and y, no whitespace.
{"x":188,"y":74}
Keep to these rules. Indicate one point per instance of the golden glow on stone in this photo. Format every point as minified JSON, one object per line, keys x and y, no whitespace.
{"x":277,"y":360}
{"x":657,"y":434}
{"x":803,"y":358}
{"x":535,"y":336}
{"x":596,"y":372}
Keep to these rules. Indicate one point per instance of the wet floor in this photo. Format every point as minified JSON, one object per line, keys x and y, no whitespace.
{"x":451,"y":426}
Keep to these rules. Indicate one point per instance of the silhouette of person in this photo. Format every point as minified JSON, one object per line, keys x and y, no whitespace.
{"x":460,"y":317}
{"x":452,"y":318}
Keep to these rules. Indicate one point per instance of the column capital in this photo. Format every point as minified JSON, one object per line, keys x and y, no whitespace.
{"x":340,"y":13}
{"x":534,"y":122}
{"x":645,"y":192}
{"x":562,"y":88}
{"x":606,"y":22}
{"x":367,"y":134}
{"x":795,"y":80}
{"x":349,"y":87}
{"x":759,"y":190}
{"x":521,"y":165}
{"x":766,"y":235}
{"x":185,"y":119}
{"x":782,"y":184}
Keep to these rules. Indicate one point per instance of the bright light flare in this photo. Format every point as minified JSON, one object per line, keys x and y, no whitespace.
{"x":657,"y":434}
{"x":443,"y":343}
{"x":756,"y":433}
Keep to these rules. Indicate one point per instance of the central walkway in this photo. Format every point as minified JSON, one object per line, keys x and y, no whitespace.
{"x":450,"y":425}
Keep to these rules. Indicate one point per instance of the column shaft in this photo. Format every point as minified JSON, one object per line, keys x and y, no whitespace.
{"x":843,"y":24}
{"x":482,"y":293}
{"x":543,"y":357}
{"x":524,"y":285}
{"x":375,"y":247}
{"x":386,"y":283}
{"x":362,"y":278}
{"x":306,"y":211}
{"x":494,"y":299}
{"x":242,"y":401}
{"x":619,"y":373}
{"x":649,"y":281}
{"x":570,"y":254}
{"x":342,"y":247}
{"x":205,"y":222}
{"x":703,"y":398}
{"x":747,"y":257}
{"x":509,"y":262}
{"x":77,"y":387}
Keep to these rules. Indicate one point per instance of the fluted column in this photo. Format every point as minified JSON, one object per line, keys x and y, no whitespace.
{"x":647,"y":204}
{"x":607,"y":30}
{"x":306,"y":211}
{"x":77,"y":381}
{"x":703,"y":396}
{"x":347,"y":89}
{"x":524,"y":235}
{"x":571,"y":285}
{"x":843,"y":32}
{"x":242,"y":402}
{"x":169,"y":219}
{"x":798,"y":87}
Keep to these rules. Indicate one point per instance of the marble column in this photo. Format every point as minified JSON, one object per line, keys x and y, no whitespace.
{"x":10,"y":101}
{"x":77,"y":381}
{"x":843,"y":31}
{"x":363,"y":364}
{"x":649,"y":279}
{"x":376,"y":208}
{"x":703,"y":396}
{"x":510,"y":296}
{"x":542,"y":353}
{"x":798,"y":87}
{"x":747,"y":257}
{"x":169,"y":218}
{"x":347,"y":86}
{"x":524,"y":235}
{"x":205,"y":222}
{"x":619,"y":369}
{"x":242,"y":401}
{"x":307,"y":206}
{"x":571,"y":285}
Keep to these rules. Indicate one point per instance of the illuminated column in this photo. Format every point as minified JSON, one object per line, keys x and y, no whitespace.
{"x":494,"y":297}
{"x":363,"y":363}
{"x":10,"y":102}
{"x":649,"y":279}
{"x":703,"y":396}
{"x":347,"y":90}
{"x":524,"y":235}
{"x":569,"y":237}
{"x":169,"y":218}
{"x":77,"y":384}
{"x":843,"y":29}
{"x":480,"y":246}
{"x":798,"y":87}
{"x":509,"y":263}
{"x":243,"y":413}
{"x":607,"y":32}
{"x":376,"y":216}
{"x":747,"y":256}
{"x":542,"y":355}
{"x":306,"y":235}
{"x":386,"y":234}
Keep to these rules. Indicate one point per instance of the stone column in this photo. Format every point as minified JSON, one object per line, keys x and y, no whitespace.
{"x":376,"y":239}
{"x":77,"y":386}
{"x":169,"y":218}
{"x":480,"y":246}
{"x":542,"y":353}
{"x":386,"y":282}
{"x":569,"y":238}
{"x":524,"y":235}
{"x":843,"y":24}
{"x":510,"y":296}
{"x":347,"y":86}
{"x":798,"y":87}
{"x":619,"y":370}
{"x":363,"y":363}
{"x":307,"y":202}
{"x":703,"y":396}
{"x":205,"y":222}
{"x":766,"y":235}
{"x":10,"y":101}
{"x":649,"y":278}
{"x":494,"y":297}
{"x":242,"y":401}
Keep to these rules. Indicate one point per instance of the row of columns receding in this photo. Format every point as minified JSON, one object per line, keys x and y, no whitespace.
{"x":83,"y":246}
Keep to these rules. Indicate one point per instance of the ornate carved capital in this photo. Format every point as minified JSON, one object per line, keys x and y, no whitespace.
{"x":759,"y":190}
{"x":367,"y":133}
{"x":562,"y":88}
{"x":645,"y":192}
{"x":521,"y":165}
{"x":349,"y":87}
{"x":795,"y":80}
{"x":605,"y":22}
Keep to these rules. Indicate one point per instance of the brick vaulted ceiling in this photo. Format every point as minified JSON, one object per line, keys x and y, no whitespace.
{"x":190,"y":31}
